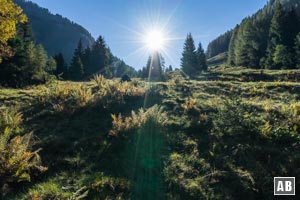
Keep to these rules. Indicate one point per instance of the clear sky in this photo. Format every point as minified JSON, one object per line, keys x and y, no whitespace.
{"x":124,"y":22}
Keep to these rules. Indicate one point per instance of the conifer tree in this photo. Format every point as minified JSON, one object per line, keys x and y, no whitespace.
{"x":60,"y":64}
{"x":51,"y":66}
{"x":297,"y":50}
{"x":76,"y":69}
{"x":282,"y":57}
{"x":189,"y":57}
{"x":232,"y":46}
{"x":170,"y":68}
{"x":86,"y":61}
{"x":202,"y":66}
{"x":276,"y":35}
{"x":99,"y":56}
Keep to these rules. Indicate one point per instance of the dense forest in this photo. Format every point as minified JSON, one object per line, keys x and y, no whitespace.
{"x":269,"y":39}
{"x":219,"y":45}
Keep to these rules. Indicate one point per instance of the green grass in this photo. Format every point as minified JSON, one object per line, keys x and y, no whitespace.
{"x":220,"y":139}
{"x":218,"y":60}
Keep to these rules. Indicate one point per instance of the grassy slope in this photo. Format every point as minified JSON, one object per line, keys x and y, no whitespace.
{"x":218,"y":60}
{"x":218,"y":132}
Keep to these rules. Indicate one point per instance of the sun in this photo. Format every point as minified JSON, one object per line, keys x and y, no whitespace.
{"x":155,"y":40}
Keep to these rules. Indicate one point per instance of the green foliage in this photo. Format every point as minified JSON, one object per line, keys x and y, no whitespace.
{"x":76,"y":69}
{"x":66,"y":97}
{"x":219,"y":45}
{"x":60,"y":65}
{"x":49,"y":190}
{"x":283,"y":57}
{"x":297,"y":49}
{"x":153,"y":71}
{"x":203,"y":135}
{"x":29,"y":63}
{"x":10,"y":16}
{"x":202,"y":66}
{"x":55,"y":32}
{"x":137,"y":120}
{"x":189,"y":58}
{"x":254,"y":42}
{"x":17,"y":160}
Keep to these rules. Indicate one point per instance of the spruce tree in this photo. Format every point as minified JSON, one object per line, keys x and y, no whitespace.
{"x":157,"y":67}
{"x":282,"y":57}
{"x":60,"y":65}
{"x":276,"y":35}
{"x":170,"y":68}
{"x":86,"y":61}
{"x":76,"y":69}
{"x":232,"y":45}
{"x":51,"y":66}
{"x":189,"y":57}
{"x":201,"y":57}
{"x":99,"y":56}
{"x":297,"y":51}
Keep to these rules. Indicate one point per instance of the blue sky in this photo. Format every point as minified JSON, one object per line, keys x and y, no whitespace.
{"x":123,"y":22}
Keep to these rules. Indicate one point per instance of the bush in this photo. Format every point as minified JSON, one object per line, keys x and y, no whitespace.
{"x":17,"y":160}
{"x":136,"y":120}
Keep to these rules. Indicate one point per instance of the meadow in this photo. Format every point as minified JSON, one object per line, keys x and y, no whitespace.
{"x":178,"y":139}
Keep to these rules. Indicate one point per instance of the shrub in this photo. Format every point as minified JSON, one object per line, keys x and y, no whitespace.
{"x":112,"y":90}
{"x":17,"y":159}
{"x":136,"y":120}
{"x":66,"y":96}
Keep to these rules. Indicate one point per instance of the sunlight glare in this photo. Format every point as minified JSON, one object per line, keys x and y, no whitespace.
{"x":155,"y":40}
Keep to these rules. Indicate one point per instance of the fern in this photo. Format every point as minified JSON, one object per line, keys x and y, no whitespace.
{"x":137,"y":120}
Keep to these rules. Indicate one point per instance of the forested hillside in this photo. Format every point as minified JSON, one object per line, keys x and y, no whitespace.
{"x":219,"y":45}
{"x":268,"y":39}
{"x":56,"y":33}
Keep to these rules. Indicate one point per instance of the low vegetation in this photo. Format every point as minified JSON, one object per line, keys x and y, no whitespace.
{"x":102,"y":139}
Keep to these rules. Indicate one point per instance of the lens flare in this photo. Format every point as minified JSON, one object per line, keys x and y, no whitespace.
{"x":155,"y":40}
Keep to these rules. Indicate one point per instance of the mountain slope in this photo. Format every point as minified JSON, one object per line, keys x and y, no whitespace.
{"x":54,"y":32}
{"x":254,"y":30}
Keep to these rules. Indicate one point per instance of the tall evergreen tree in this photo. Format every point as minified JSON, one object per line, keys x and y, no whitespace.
{"x":169,"y":69}
{"x":99,"y":56}
{"x":27,"y":65}
{"x":232,"y":46}
{"x":51,"y":66}
{"x":297,"y":50}
{"x":86,"y":61}
{"x":76,"y":71}
{"x":189,"y":57}
{"x":154,"y":67}
{"x":60,"y":64}
{"x":276,"y":35}
{"x":157,"y":67}
{"x":282,"y":57}
{"x":201,"y":57}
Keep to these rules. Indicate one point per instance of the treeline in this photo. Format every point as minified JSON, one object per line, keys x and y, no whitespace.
{"x":97,"y":59}
{"x":23,"y":62}
{"x":54,"y":32}
{"x":267,"y":40}
{"x":219,"y":45}
{"x":28,"y":62}
{"x":155,"y":69}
